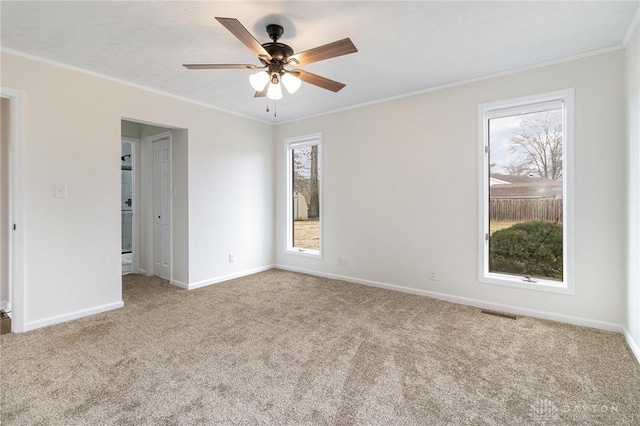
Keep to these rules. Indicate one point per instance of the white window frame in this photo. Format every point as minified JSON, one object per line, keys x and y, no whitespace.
{"x":511,"y":107}
{"x":290,"y":144}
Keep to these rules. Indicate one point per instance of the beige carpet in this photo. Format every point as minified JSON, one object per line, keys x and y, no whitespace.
{"x":284,"y":348}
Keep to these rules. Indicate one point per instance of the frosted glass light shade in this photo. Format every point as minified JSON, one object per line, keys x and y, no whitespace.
{"x":259,"y":80}
{"x":291,"y":82}
{"x":274,"y":91}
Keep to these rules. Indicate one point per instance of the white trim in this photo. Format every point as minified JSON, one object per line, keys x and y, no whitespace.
{"x":151,"y":123}
{"x":290,"y":144}
{"x":72,"y":316}
{"x":568,"y":319}
{"x":126,"y":83}
{"x":135,"y":197}
{"x":501,"y":108}
{"x":7,"y":223}
{"x":223,"y":278}
{"x":462,"y":82}
{"x":17,"y":278}
{"x":631,"y":29}
{"x":509,"y":109}
{"x":179,"y":284}
{"x":633,"y":345}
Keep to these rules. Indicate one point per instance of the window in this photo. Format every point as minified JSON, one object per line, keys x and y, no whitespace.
{"x":304,"y":195}
{"x":526,"y":198}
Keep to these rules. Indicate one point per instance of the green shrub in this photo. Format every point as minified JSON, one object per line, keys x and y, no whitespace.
{"x":528,"y":249}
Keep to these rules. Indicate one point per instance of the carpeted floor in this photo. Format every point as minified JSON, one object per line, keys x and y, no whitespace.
{"x":285,"y":348}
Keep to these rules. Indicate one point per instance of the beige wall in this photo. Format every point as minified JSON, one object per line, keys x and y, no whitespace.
{"x":632,"y":62}
{"x":420,"y":150}
{"x":412,"y":167}
{"x":130,"y":129}
{"x":73,"y":132}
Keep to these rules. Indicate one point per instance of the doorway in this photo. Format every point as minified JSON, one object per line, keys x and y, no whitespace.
{"x":12,"y":218}
{"x":147,"y":231}
{"x":5,"y":224}
{"x":128,"y":202}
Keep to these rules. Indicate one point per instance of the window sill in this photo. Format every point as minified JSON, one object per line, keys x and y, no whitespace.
{"x":304,"y":252}
{"x":561,"y":287}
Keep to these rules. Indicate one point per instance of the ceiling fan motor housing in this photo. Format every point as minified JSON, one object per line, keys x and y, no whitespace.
{"x":279,"y":52}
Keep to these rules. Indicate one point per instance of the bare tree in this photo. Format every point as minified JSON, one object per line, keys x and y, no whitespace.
{"x":301,"y":171}
{"x":538,"y":146}
{"x":305,"y":177}
{"x":314,"y":200}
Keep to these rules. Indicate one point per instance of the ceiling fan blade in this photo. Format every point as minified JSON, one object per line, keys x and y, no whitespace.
{"x":219,"y":66}
{"x":331,"y":50}
{"x":319,"y":81}
{"x":237,"y":29}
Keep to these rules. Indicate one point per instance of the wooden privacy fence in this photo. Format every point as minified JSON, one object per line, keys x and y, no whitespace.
{"x":524,"y":209}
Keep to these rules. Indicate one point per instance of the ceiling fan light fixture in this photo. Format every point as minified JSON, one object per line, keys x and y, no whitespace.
{"x":274,"y":91}
{"x":291,"y":82}
{"x":274,"y":56}
{"x":259,"y":80}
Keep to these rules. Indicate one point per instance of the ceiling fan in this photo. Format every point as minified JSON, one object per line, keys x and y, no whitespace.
{"x":276,"y":57}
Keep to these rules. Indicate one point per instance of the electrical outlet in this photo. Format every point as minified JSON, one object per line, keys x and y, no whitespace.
{"x":232,"y":258}
{"x":432,"y":275}
{"x":339,"y":262}
{"x":344,"y":263}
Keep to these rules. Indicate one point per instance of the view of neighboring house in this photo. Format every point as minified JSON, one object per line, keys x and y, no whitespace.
{"x":512,"y":186}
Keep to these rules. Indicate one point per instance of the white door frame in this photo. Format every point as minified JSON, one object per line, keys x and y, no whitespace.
{"x":135,"y":263}
{"x":150,"y":140}
{"x":16,"y":207}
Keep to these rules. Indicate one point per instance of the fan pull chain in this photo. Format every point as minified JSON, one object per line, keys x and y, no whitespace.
{"x":275,"y":108}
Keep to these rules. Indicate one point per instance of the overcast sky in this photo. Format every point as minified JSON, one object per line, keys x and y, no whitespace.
{"x":501,"y":130}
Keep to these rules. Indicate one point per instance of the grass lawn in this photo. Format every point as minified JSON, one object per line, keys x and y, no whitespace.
{"x":306,"y":234}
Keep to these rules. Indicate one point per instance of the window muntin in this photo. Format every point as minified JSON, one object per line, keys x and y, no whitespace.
{"x":526,"y":201}
{"x":304,"y":195}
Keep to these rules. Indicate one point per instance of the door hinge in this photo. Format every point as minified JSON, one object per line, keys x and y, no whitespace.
{"x":486,"y":149}
{"x":14,"y":226}
{"x":486,"y":237}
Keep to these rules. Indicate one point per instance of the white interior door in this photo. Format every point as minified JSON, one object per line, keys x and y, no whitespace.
{"x":162,"y":208}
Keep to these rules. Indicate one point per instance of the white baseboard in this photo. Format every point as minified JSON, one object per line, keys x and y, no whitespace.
{"x":179,"y":284}
{"x":635,"y":348}
{"x":585,"y":322}
{"x":71,"y":316}
{"x":223,"y":278}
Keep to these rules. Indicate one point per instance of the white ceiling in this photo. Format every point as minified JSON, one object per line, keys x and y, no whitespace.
{"x":404,"y":47}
